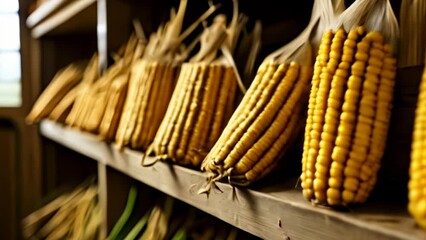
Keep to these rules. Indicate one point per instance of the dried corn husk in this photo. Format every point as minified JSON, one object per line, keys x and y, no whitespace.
{"x":63,"y":81}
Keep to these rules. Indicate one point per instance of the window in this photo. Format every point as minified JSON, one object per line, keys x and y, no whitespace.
{"x":10,"y":57}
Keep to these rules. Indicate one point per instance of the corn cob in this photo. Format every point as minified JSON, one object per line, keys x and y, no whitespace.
{"x":262,"y":126}
{"x":416,"y":196}
{"x":196,"y":109}
{"x":61,"y":111}
{"x":63,"y":81}
{"x":348,"y":117}
{"x":113,"y":109}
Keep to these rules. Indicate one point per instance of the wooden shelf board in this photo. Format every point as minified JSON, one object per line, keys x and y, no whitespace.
{"x":43,"y":11}
{"x":272,"y":212}
{"x":74,"y":16}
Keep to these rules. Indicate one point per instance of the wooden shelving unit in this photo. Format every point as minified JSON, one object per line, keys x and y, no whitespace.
{"x":56,"y":17}
{"x":272,"y":212}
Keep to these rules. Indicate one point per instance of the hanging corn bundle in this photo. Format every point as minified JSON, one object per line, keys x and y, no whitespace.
{"x":412,"y":56}
{"x":266,"y":120}
{"x":92,"y":102}
{"x":350,"y":105}
{"x":61,"y":84}
{"x":152,"y":80}
{"x":203,"y":99}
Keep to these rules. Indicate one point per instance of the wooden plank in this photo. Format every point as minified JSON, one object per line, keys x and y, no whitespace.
{"x":43,"y":11}
{"x":273,"y":212}
{"x":77,"y":15}
{"x":103,"y":199}
{"x":84,"y":143}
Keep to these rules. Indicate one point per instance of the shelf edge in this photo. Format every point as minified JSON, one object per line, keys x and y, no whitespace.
{"x":258,"y":213}
{"x":60,"y":17}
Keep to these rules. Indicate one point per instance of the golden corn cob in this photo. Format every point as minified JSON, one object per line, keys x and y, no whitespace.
{"x":416,"y":193}
{"x":150,"y":90}
{"x":61,"y":111}
{"x":263,"y":125}
{"x":63,"y":81}
{"x":196,"y":113}
{"x":114,"y":108}
{"x":348,"y":117}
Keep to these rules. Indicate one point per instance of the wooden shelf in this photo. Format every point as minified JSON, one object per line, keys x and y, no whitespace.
{"x":58,"y":17}
{"x":272,"y":212}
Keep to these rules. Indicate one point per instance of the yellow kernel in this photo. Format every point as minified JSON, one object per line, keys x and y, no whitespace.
{"x":349,"y":107}
{"x":351,"y":172}
{"x":337,"y":45}
{"x":340,"y":154}
{"x":333,"y":193}
{"x":320,"y":196}
{"x":350,"y":43}
{"x":361,"y":30}
{"x":343,"y":141}
{"x":367,"y":111}
{"x":353,"y":35}
{"x":335,"y":55}
{"x":354,"y":163}
{"x":375,"y":62}
{"x":336,"y":174}
{"x":351,"y":95}
{"x":308,"y":194}
{"x":390,"y":61}
{"x":377,"y":53}
{"x":365,"y":119}
{"x":388,"y":74}
{"x":373,"y":69}
{"x":345,"y":129}
{"x":348,"y":50}
{"x":348,"y":117}
{"x":363,"y":46}
{"x":329,"y":128}
{"x":321,"y":169}
{"x":319,"y":184}
{"x":325,"y":136}
{"x":378,"y":45}
{"x":347,"y":57}
{"x":369,"y":101}
{"x":375,"y":36}
{"x":342,"y":73}
{"x":361,"y":56}
{"x":351,"y":184}
{"x":354,"y":82}
{"x":344,"y":65}
{"x":388,"y":48}
{"x":348,"y":196}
